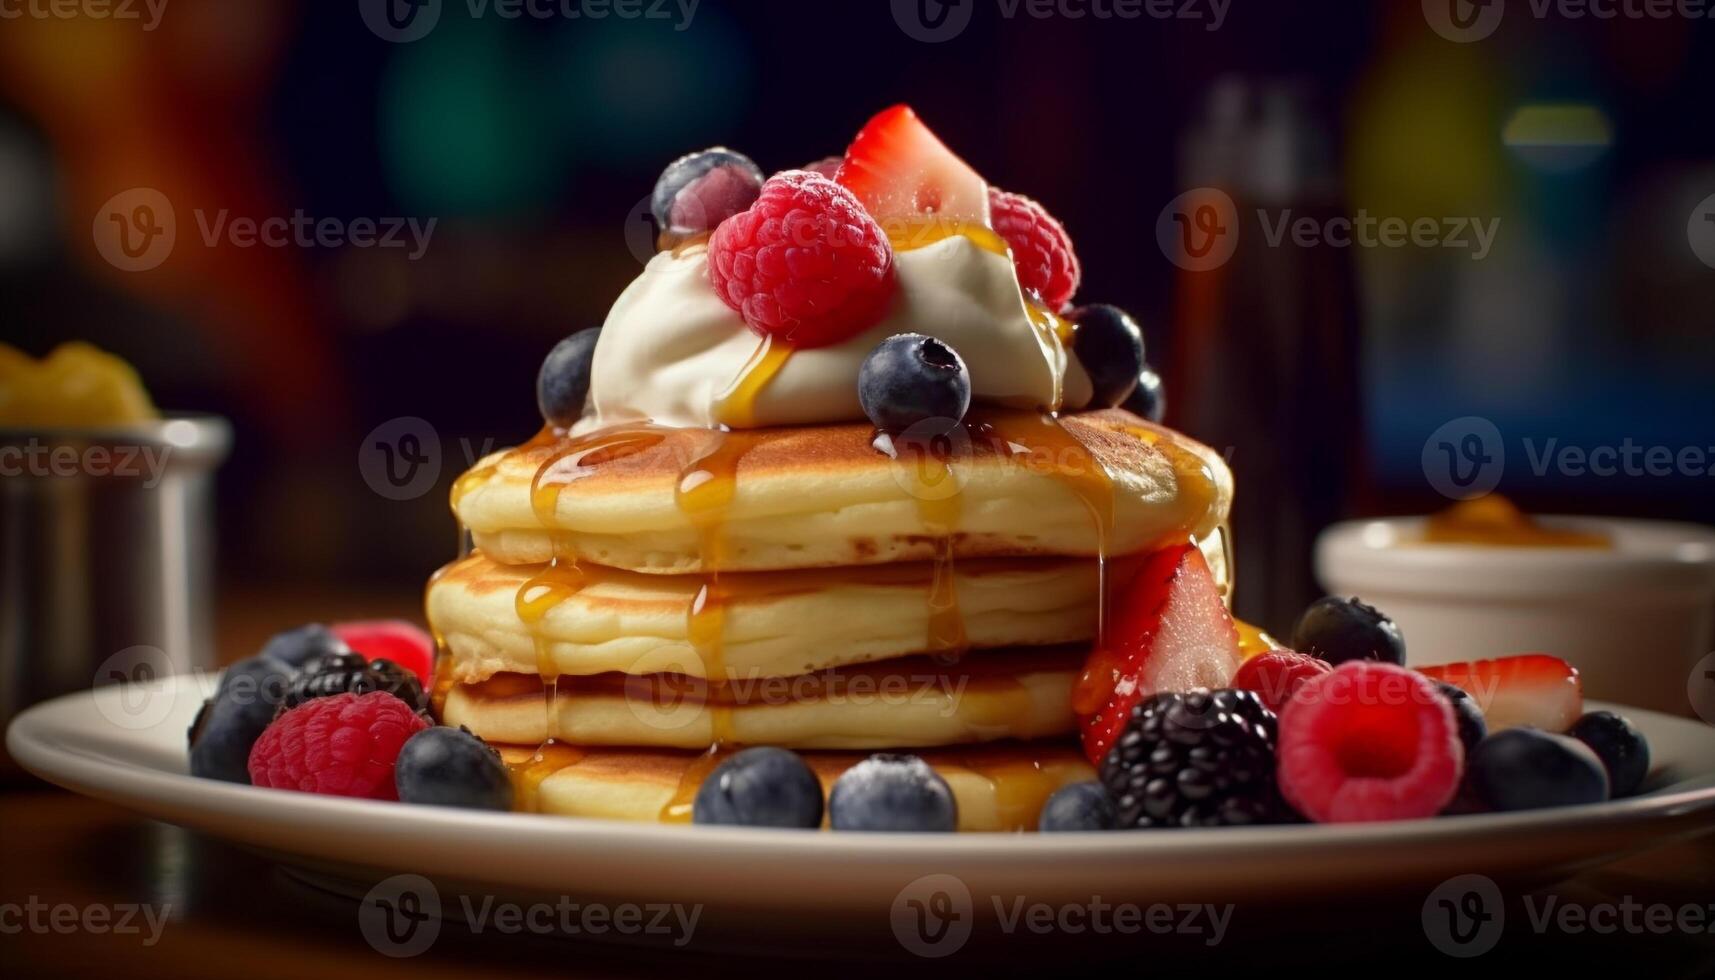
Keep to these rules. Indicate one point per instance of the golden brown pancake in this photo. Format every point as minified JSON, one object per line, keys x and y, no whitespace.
{"x":535,"y":618}
{"x":674,"y":500}
{"x":912,"y":701}
{"x":999,"y":787}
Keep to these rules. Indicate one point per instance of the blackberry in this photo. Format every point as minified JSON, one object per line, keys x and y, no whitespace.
{"x":339,"y":673}
{"x":1200,"y":759}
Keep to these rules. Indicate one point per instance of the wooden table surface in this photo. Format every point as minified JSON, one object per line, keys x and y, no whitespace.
{"x":231,"y":913}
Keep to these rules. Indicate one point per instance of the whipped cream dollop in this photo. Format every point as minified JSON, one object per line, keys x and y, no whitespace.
{"x":670,"y":348}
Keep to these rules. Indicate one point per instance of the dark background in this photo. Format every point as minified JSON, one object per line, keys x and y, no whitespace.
{"x":531,"y":141}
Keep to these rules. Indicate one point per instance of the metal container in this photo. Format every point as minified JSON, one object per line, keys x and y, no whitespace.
{"x":106,"y":554}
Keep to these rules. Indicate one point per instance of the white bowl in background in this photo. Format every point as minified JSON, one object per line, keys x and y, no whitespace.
{"x":1634,"y":619}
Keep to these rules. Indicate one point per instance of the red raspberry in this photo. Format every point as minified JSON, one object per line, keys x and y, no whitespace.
{"x":1041,"y":249}
{"x":341,"y":746}
{"x":806,"y":263}
{"x":1368,"y":741}
{"x":391,"y":639}
{"x":1276,"y":675}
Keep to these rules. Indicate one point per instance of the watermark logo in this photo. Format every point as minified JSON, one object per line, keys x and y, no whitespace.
{"x":400,"y":21}
{"x":401,"y":916}
{"x":1464,"y":915}
{"x":1199,"y":229}
{"x":1700,"y":231}
{"x":1464,"y":458}
{"x":144,"y":692}
{"x":641,"y":233}
{"x":149,"y":12}
{"x":932,"y":917}
{"x":1700,"y":689}
{"x":43,"y":460}
{"x":933,"y":21}
{"x":404,"y":21}
{"x":1464,"y":21}
{"x":125,"y":919}
{"x":136,"y":229}
{"x":401,"y":459}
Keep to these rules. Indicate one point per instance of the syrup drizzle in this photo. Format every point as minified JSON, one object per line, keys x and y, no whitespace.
{"x":704,"y":494}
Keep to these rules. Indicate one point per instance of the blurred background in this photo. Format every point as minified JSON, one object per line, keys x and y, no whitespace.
{"x":1587,"y":145}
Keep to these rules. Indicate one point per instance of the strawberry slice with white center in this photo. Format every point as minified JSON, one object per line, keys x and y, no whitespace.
{"x":1168,"y":631}
{"x":1531,"y":689}
{"x":900,"y":170}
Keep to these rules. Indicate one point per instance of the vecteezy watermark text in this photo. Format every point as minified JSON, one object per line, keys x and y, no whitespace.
{"x":124,"y":919}
{"x":136,"y":230}
{"x":933,"y":916}
{"x":1465,"y":21}
{"x":35,"y":458}
{"x":1466,"y":457}
{"x":404,"y":21}
{"x":1200,"y":229}
{"x":401,"y":917}
{"x":934,"y":21}
{"x":149,"y":12}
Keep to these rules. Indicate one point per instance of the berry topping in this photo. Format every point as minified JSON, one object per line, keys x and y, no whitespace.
{"x":805,"y":263}
{"x":901,"y":170}
{"x":451,"y":767}
{"x":760,"y":787}
{"x":1110,"y":347}
{"x":1622,"y":748}
{"x":912,"y":380}
{"x":892,"y":793}
{"x":1276,"y":675}
{"x":1169,"y":632}
{"x":1528,"y":769}
{"x":1339,"y":629}
{"x":230,"y":722}
{"x":1149,"y":399}
{"x":1369,"y":741}
{"x":391,"y":639}
{"x":341,"y":746}
{"x":1467,"y":716}
{"x":700,"y":190}
{"x":298,"y":646}
{"x":1199,"y":759}
{"x":563,"y":383}
{"x":349,"y":673}
{"x":1078,"y":806}
{"x":1042,"y":254}
{"x":1530,"y":689}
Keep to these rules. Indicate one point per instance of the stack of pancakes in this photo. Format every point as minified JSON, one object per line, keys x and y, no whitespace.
{"x":641,"y":600}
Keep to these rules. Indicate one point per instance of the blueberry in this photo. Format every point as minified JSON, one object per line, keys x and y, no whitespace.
{"x":1149,"y":399}
{"x":760,"y":787}
{"x":1079,"y":806}
{"x":1466,"y":714}
{"x":1110,"y":347}
{"x":451,"y":767}
{"x":917,"y":383}
{"x":892,"y":793}
{"x":1622,"y":748}
{"x":564,"y":380}
{"x":297,"y":647}
{"x":700,"y":190}
{"x":1338,"y":630}
{"x":1527,"y":769}
{"x":231,"y":721}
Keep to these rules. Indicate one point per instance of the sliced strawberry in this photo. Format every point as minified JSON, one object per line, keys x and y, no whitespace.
{"x":900,"y":170}
{"x":391,"y":639}
{"x":1169,"y":631}
{"x":1532,"y":689}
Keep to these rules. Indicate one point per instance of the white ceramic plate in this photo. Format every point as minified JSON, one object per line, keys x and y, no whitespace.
{"x":110,"y":744}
